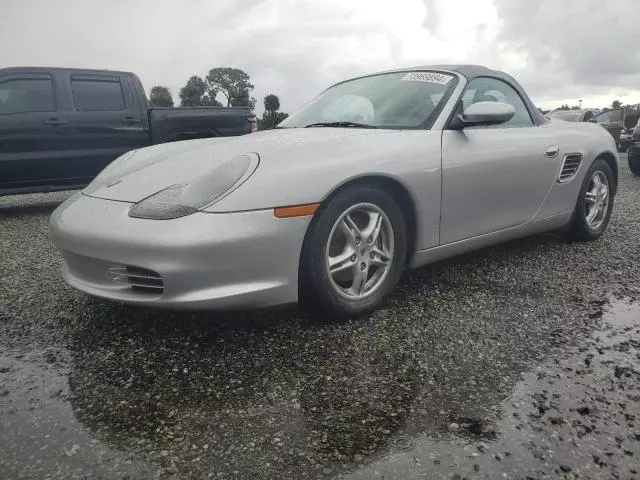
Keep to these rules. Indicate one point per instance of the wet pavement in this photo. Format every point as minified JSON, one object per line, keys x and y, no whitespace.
{"x":520,"y":361}
{"x":574,"y":416}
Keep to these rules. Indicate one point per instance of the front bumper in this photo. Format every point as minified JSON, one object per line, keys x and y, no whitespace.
{"x":204,"y":260}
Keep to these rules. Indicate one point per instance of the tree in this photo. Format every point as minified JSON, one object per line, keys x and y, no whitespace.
{"x":234,"y":84}
{"x":271,"y":116}
{"x":160,"y":97}
{"x":616,"y":104}
{"x":207,"y":101}
{"x":271,"y":103}
{"x":280,"y":117}
{"x":244,"y":100}
{"x":271,"y":107}
{"x":193,"y":93}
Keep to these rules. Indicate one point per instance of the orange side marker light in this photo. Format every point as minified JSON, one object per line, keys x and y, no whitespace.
{"x":296,"y":210}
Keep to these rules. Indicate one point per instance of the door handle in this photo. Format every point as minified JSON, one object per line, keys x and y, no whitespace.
{"x":131,"y":121}
{"x":552,"y":151}
{"x":54,"y":122}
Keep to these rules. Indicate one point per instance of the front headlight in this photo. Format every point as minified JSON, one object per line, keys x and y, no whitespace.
{"x":187,"y":198}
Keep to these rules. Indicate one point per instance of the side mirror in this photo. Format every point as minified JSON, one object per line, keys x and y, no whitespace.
{"x":484,"y":113}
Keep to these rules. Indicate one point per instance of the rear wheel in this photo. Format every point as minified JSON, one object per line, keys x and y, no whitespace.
{"x":595,"y":202}
{"x":354,"y":253}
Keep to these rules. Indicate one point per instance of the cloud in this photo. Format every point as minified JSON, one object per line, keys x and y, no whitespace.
{"x":290,"y":47}
{"x":293,"y":48}
{"x":432,"y":19}
{"x":571,"y":49}
{"x":296,"y":48}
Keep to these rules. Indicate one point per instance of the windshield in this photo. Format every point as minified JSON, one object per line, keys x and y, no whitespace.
{"x":568,"y":115}
{"x":390,"y":100}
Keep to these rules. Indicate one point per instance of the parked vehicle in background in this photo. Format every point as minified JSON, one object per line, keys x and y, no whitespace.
{"x":378,"y":173}
{"x":626,"y":138}
{"x":634,"y":156}
{"x":60,"y":127}
{"x":612,"y":120}
{"x":574,"y":115}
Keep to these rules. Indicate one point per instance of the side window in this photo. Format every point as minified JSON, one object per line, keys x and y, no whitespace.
{"x":21,"y":95}
{"x":610,"y":116}
{"x":484,"y":89}
{"x":97,"y":94}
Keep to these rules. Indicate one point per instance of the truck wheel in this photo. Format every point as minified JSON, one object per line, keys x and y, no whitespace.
{"x":354,"y":253}
{"x":595,"y":202}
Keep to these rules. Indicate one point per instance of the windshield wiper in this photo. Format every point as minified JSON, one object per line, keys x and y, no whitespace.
{"x":340,"y":124}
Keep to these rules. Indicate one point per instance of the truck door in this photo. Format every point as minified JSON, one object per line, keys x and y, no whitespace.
{"x":105,"y":122}
{"x":33,"y":134}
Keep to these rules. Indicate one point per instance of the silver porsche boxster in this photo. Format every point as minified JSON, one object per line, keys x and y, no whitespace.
{"x":378,"y":173}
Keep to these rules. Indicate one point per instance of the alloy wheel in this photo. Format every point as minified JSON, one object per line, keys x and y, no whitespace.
{"x":360,"y":251}
{"x":597,"y":200}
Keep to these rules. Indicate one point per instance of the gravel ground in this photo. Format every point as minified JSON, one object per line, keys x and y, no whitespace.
{"x":520,"y":361}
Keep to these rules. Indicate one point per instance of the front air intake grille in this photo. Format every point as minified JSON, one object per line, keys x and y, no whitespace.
{"x":570,"y":166}
{"x":139,"y":279}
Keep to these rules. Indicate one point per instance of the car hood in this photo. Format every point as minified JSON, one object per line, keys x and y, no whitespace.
{"x":138,"y":175}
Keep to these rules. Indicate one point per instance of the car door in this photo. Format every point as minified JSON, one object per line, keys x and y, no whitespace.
{"x":33,"y":134}
{"x":612,"y":120}
{"x":105,"y":122}
{"x":496,"y":177}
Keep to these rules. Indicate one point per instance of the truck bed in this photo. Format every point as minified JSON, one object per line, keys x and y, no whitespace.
{"x":187,"y":123}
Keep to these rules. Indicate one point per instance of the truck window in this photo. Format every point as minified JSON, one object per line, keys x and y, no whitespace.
{"x":21,"y":95}
{"x":97,"y":95}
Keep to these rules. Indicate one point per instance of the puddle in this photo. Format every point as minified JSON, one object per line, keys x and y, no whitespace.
{"x":577,"y":416}
{"x":39,"y":433}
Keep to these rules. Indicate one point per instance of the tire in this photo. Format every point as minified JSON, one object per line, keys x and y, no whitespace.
{"x":329,"y":239}
{"x":581,"y":229}
{"x":634,"y":161}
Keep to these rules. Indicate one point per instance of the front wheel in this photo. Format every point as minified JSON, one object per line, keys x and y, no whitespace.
{"x":595,"y":203}
{"x":354,"y":253}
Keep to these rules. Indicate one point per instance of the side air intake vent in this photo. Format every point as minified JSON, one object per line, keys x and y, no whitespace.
{"x":139,"y":279}
{"x":570,"y":166}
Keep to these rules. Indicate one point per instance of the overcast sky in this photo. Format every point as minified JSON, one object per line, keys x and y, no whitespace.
{"x":560,"y":50}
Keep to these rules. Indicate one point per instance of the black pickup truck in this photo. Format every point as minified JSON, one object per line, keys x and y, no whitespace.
{"x":60,"y":127}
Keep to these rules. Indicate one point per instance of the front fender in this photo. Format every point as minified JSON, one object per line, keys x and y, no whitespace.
{"x":411,"y":158}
